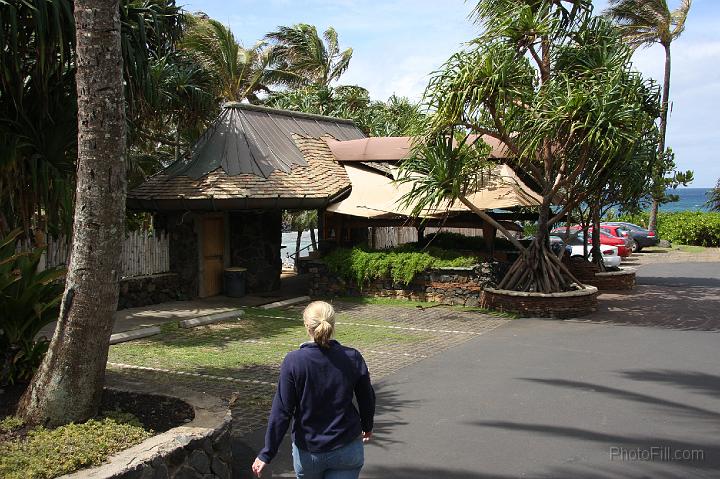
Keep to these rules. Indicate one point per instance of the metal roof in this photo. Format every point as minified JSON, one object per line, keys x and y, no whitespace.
{"x":250,"y":139}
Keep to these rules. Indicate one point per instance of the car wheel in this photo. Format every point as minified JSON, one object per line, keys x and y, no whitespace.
{"x":639,"y":248}
{"x":634,"y":246}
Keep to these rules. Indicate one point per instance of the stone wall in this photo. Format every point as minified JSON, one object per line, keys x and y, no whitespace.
{"x":183,"y":249}
{"x":151,"y":289}
{"x":569,"y":304}
{"x":255,"y":240}
{"x":461,"y":286}
{"x":623,"y":280}
{"x":589,"y":273}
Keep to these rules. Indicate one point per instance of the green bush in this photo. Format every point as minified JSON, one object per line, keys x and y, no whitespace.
{"x":456,"y":241}
{"x":400,"y":264}
{"x":28,"y":301}
{"x":696,"y":228}
{"x":46,"y":453}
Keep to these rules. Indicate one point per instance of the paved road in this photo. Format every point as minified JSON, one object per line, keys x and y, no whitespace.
{"x":556,"y":399}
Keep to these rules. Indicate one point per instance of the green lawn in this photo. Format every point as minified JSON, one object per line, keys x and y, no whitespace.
{"x":226,"y":346}
{"x":684,"y":248}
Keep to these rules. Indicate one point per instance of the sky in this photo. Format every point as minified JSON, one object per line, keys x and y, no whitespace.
{"x":397,"y":44}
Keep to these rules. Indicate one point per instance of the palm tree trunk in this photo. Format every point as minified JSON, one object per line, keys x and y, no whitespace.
{"x":652,"y":221}
{"x":68,"y":385}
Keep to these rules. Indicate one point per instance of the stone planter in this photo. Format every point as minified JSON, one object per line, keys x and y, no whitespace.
{"x":564,"y":305}
{"x":622,"y":280}
{"x":200,"y":449}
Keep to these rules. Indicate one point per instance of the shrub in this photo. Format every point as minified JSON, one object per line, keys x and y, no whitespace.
{"x":696,"y":228}
{"x":46,"y":453}
{"x":29,"y":300}
{"x":400,"y":264}
{"x":456,"y":241}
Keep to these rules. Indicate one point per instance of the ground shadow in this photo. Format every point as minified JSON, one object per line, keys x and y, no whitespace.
{"x":710,"y":451}
{"x":569,"y":472}
{"x":389,"y":407}
{"x":626,"y":395}
{"x":692,"y":380}
{"x":679,"y":282}
{"x":687,"y":308}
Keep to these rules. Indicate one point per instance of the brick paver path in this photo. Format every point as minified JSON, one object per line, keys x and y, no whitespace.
{"x":434,"y":329}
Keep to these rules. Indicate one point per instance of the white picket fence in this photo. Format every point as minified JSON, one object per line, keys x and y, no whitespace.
{"x":143,"y":253}
{"x":384,"y":237}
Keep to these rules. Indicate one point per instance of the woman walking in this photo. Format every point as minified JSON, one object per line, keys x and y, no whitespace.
{"x":316,"y":388}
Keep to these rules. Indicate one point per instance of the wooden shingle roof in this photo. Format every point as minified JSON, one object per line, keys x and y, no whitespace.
{"x":293,"y":165}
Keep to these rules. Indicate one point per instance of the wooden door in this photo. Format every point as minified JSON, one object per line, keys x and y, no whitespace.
{"x":213,"y":252}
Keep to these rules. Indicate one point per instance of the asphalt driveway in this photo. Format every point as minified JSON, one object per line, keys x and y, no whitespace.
{"x":632,"y":392}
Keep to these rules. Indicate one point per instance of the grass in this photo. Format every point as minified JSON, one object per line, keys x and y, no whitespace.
{"x":683,"y":248}
{"x":691,"y":249}
{"x":45,"y":453}
{"x":225,"y":347}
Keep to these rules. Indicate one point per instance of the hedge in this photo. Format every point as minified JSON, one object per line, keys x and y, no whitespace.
{"x":401,"y":264}
{"x":696,"y":228}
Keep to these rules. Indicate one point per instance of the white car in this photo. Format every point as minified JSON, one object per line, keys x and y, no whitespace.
{"x":609,"y":253}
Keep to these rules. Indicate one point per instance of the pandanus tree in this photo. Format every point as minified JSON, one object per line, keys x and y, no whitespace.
{"x":38,"y":102}
{"x":553,"y":84}
{"x":624,"y":187}
{"x":644,"y":23}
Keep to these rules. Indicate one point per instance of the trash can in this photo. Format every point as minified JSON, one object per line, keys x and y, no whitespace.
{"x":234,"y":282}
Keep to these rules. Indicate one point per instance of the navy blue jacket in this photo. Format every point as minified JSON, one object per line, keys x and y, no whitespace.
{"x":316,"y":389}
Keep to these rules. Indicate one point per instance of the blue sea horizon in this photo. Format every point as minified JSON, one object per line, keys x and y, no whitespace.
{"x":690,"y":199}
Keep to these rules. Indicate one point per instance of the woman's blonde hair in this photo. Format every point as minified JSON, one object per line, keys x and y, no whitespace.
{"x":319,"y":318}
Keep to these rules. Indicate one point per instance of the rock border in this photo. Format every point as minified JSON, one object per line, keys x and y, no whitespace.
{"x":569,"y":304}
{"x":199,"y":449}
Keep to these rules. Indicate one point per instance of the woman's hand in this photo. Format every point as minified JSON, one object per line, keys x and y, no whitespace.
{"x":366,"y":436}
{"x":258,"y":467}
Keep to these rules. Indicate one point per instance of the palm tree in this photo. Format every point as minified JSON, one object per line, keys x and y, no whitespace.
{"x":68,"y":385}
{"x":240,"y":73}
{"x":644,"y":23}
{"x":301,"y":52}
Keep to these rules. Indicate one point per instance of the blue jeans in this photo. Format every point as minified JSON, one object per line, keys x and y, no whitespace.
{"x":342,"y":463}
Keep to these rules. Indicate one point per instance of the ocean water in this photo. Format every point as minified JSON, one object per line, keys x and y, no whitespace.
{"x":691,"y":199}
{"x":288,"y":241}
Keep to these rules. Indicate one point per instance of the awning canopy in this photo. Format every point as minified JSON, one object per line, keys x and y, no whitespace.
{"x":375,"y":195}
{"x":396,"y":148}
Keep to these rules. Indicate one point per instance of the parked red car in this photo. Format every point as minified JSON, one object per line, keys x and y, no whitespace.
{"x":623,"y":244}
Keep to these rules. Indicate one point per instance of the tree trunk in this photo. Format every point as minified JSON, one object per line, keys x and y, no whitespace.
{"x":596,"y":247}
{"x":297,"y":249}
{"x":652,"y":221}
{"x":538,"y":269}
{"x":313,"y":241}
{"x":68,"y":385}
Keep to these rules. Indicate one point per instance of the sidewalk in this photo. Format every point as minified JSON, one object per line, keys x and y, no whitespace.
{"x":157,"y":314}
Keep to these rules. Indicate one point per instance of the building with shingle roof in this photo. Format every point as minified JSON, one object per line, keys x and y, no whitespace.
{"x":222,"y":204}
